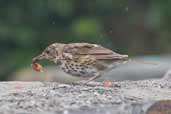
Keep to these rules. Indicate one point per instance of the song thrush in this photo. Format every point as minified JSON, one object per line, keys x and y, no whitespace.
{"x":82,"y":59}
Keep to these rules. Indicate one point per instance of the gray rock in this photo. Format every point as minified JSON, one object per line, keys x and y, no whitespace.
{"x":124,"y":97}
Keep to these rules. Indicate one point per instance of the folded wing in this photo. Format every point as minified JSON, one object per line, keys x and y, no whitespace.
{"x":94,"y":50}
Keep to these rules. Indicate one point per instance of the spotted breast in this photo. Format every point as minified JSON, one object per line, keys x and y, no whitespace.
{"x":77,"y":68}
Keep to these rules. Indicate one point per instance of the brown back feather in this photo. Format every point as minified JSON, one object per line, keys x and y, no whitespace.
{"x":96,"y":51}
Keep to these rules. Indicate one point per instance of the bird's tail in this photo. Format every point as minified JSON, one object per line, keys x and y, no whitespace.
{"x":122,"y":62}
{"x":141,"y":62}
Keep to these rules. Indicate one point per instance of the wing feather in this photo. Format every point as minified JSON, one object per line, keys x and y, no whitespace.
{"x":94,"y":50}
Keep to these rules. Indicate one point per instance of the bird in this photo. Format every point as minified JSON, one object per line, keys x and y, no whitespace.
{"x":85,"y":60}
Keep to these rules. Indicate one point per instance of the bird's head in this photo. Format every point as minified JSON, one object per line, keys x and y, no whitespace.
{"x":52,"y":53}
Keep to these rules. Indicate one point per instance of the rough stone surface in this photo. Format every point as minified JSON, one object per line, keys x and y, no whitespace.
{"x":125,"y":97}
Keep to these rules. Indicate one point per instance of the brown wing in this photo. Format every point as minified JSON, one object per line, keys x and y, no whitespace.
{"x":94,"y":50}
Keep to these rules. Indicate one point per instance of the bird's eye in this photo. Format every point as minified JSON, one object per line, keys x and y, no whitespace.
{"x":47,"y":51}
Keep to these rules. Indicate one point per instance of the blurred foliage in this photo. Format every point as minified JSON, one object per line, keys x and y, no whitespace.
{"x":136,"y":27}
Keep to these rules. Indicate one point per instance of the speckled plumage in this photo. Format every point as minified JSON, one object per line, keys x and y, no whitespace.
{"x":82,"y":59}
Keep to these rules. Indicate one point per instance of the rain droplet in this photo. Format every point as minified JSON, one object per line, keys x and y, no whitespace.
{"x":53,"y":22}
{"x":111,"y":31}
{"x":126,"y":8}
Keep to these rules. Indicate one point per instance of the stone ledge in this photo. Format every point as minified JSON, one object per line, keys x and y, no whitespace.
{"x":128,"y":97}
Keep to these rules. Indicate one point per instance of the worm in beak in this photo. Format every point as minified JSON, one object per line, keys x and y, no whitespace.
{"x":37,"y":67}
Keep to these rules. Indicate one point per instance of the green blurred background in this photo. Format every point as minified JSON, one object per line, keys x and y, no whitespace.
{"x":134,"y":27}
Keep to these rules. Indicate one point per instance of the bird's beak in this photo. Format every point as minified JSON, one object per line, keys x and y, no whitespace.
{"x":38,"y":58}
